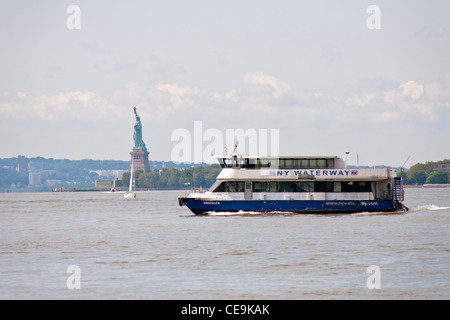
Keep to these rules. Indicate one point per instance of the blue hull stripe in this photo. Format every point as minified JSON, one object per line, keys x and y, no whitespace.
{"x":304,"y":206}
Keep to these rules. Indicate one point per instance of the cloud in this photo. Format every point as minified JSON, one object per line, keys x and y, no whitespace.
{"x":386,"y":116}
{"x":259,"y":95}
{"x":410,"y":101}
{"x":64,"y":105}
{"x":439,"y":91}
{"x":258,"y":78}
{"x":361,"y":99}
{"x":179,"y":96}
{"x":412,"y":98}
{"x":412,"y":90}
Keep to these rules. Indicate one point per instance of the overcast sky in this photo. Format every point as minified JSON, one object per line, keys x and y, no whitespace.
{"x":313,"y":70}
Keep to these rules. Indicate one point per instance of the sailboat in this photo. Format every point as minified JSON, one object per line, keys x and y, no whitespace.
{"x":130,"y":194}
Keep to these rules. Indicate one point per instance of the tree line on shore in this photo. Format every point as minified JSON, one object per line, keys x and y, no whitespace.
{"x":65,"y":173}
{"x":425,"y":173}
{"x":174,"y":178}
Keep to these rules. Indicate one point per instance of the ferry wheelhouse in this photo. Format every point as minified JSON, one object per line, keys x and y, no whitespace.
{"x":299,"y":185}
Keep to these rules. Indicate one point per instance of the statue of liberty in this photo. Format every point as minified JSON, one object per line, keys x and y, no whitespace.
{"x":137,"y":136}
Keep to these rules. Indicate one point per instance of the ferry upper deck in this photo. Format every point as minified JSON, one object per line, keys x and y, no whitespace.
{"x":285,"y":162}
{"x":237,"y":167}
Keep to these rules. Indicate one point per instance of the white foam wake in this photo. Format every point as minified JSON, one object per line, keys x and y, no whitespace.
{"x":430,"y":207}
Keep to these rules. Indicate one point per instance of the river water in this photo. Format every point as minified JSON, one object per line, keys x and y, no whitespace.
{"x":150,"y":248}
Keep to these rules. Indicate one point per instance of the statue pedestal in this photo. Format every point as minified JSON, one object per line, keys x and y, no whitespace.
{"x":140,"y":159}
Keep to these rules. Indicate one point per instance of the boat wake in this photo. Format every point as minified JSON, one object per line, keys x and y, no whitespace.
{"x":380,"y":213}
{"x":247,"y":213}
{"x":286,"y":213}
{"x":430,"y":207}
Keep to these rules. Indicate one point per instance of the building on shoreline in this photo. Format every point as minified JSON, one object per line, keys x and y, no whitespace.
{"x":22,"y":167}
{"x":110,"y":183}
{"x":441,"y":165}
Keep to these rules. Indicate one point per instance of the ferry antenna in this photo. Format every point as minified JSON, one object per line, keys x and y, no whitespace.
{"x":403,"y":165}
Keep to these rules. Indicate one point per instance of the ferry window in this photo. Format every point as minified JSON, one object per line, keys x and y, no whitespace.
{"x":298,"y":187}
{"x":321,"y":164}
{"x":239,"y":163}
{"x":293,"y":186}
{"x":274,"y":163}
{"x":228,"y":163}
{"x":282,"y":164}
{"x":305,"y":186}
{"x":286,"y":186}
{"x":272,"y":186}
{"x":264,"y":186}
{"x":313,"y":163}
{"x":224,"y":187}
{"x":329,"y":186}
{"x":330,"y":164}
{"x":305,"y":163}
{"x":289,"y":163}
{"x":236,"y":186}
{"x":356,"y":186}
{"x":297,"y":164}
{"x":365,"y":186}
{"x":319,"y":186}
{"x":234,"y":161}
{"x":348,"y":186}
{"x":337,"y":186}
{"x":258,"y":186}
{"x":220,"y":187}
{"x":250,"y":163}
{"x":264,"y":163}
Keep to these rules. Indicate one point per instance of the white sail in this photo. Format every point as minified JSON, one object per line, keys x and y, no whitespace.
{"x":130,"y":189}
{"x":130,"y":194}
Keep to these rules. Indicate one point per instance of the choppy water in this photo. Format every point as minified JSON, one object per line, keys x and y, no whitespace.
{"x":150,"y":248}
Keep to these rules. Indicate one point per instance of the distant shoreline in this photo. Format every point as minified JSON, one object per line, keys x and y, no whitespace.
{"x":446,"y":185}
{"x":100,"y":189}
{"x":120,"y":189}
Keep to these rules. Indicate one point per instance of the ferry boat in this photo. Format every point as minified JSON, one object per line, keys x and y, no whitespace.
{"x":297,"y":185}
